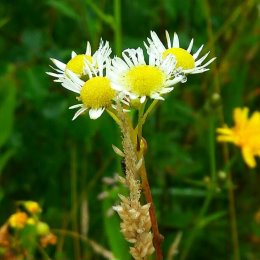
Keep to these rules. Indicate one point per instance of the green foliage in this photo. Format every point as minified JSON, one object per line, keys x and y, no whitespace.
{"x":37,"y":134}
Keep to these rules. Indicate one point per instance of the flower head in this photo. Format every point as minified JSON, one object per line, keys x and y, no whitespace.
{"x":77,"y":63}
{"x":245,"y":134}
{"x":96,"y":93}
{"x":187,"y":62}
{"x":18,"y":220}
{"x":135,"y":78}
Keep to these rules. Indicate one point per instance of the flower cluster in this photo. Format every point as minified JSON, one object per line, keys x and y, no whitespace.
{"x":26,"y":220}
{"x":245,"y":134}
{"x":101,"y":81}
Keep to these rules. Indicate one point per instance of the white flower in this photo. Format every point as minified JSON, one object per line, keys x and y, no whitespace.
{"x":96,"y":93}
{"x":187,"y":62}
{"x":133,"y":77}
{"x":77,"y":63}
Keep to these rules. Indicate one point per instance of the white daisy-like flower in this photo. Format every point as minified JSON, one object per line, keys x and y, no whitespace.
{"x":77,"y":62}
{"x":187,"y":62}
{"x":95,"y":94}
{"x":133,"y":77}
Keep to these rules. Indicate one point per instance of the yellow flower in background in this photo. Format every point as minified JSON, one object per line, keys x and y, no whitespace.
{"x":32,"y":207}
{"x":245,"y":134}
{"x":18,"y":220}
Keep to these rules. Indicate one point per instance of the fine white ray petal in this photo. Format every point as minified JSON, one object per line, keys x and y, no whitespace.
{"x":88,"y":49}
{"x":59,"y":64}
{"x":157,"y":42}
{"x":199,"y":71}
{"x":127,"y":60}
{"x":166,"y":90}
{"x":140,"y":56}
{"x":76,"y":106}
{"x":168,"y":40}
{"x":96,"y":113}
{"x":79,"y":112}
{"x":206,"y":64}
{"x":196,"y":54}
{"x":142,"y":99}
{"x":73,"y":54}
{"x":190,"y":46}
{"x":157,"y":96}
{"x":198,"y":62}
{"x":175,"y":43}
{"x":56,"y":75}
{"x":174,"y":81}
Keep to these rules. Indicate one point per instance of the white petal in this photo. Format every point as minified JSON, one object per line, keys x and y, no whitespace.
{"x":157,"y":42}
{"x":195,"y":55}
{"x":127,"y":60}
{"x":73,"y":54}
{"x":76,"y":106}
{"x":55,"y":74}
{"x":206,"y":64}
{"x":59,"y":64}
{"x":175,"y":43}
{"x":79,"y":112}
{"x":198,"y":62}
{"x":157,"y":96}
{"x":166,"y":90}
{"x":70,"y":86}
{"x":174,"y":81}
{"x":88,"y":49}
{"x":142,"y":99}
{"x":168,"y":40}
{"x":199,"y":71}
{"x":96,"y":113}
{"x":190,"y":46}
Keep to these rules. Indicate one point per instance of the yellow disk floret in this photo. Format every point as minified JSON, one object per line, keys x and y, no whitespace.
{"x":97,"y":93}
{"x":76,"y":64}
{"x":143,"y":80}
{"x":183,"y":58}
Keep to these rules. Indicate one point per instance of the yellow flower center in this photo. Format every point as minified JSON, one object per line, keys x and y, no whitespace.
{"x":76,"y":64}
{"x":183,"y":58}
{"x":144,"y":79}
{"x":97,"y":93}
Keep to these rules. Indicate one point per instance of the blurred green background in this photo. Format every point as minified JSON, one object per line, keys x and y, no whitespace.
{"x":46,"y":157}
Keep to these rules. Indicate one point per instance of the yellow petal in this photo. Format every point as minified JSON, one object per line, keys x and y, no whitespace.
{"x":224,"y":131}
{"x":249,"y":157}
{"x":225,"y":138}
{"x":240,"y":116}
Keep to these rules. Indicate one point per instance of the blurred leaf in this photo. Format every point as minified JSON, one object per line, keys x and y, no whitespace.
{"x":7,"y":106}
{"x":4,"y":159}
{"x":211,"y":218}
{"x":4,"y":21}
{"x":63,"y":8}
